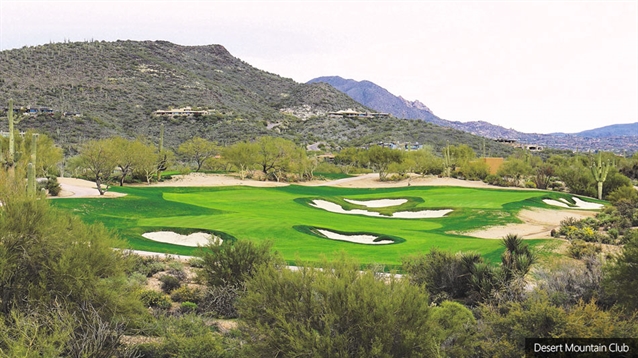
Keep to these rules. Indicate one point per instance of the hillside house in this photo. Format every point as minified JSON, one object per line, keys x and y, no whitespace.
{"x":182,"y":112}
{"x":350,"y":113}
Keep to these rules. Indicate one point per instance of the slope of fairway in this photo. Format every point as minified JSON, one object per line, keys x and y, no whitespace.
{"x":258,"y":214}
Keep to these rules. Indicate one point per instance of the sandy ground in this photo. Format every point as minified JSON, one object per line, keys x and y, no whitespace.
{"x":579,"y":204}
{"x":169,"y":237}
{"x":359,"y":239}
{"x":201,"y":179}
{"x":537,"y":223}
{"x":422,"y":214}
{"x":381,"y":203}
{"x":78,"y":188}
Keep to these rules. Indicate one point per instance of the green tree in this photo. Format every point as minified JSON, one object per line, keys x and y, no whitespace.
{"x":98,"y":158}
{"x":336,"y":311}
{"x":514,"y":170}
{"x":198,"y":149}
{"x":274,"y":155}
{"x":242,"y":155}
{"x":149,"y":162}
{"x":381,"y":157}
{"x":130,"y":155}
{"x":426,"y":162}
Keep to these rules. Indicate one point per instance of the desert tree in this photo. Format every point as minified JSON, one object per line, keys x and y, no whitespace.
{"x":199,"y":150}
{"x":381,"y":158}
{"x":242,"y":155}
{"x":273,"y":155}
{"x":98,"y":159}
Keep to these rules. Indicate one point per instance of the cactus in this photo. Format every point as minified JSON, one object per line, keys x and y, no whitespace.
{"x":447,"y":161}
{"x":161,"y":166}
{"x":31,"y":180}
{"x":34,"y":148}
{"x":600,"y":172}
{"x":11,"y":158}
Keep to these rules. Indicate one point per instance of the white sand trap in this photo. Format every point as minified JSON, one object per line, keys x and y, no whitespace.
{"x":380,"y":203}
{"x":563,"y":203}
{"x":338,"y":209}
{"x":169,"y":237}
{"x":359,"y":239}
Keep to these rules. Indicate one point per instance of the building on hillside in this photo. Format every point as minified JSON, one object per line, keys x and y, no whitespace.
{"x":183,"y":112}
{"x":493,"y":163}
{"x":351,"y":113}
{"x":515,"y":144}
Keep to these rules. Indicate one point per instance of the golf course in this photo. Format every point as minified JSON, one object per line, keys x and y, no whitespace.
{"x":305,"y":223}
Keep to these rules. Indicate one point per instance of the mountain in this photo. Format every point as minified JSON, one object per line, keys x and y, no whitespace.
{"x":617,"y":138}
{"x":614,"y":130}
{"x":378,"y":98}
{"x":116,"y":87}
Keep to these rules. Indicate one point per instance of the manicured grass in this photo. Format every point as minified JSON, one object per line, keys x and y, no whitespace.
{"x":276,"y":214}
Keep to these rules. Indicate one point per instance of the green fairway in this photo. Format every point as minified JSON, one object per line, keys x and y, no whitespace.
{"x":283,"y":215}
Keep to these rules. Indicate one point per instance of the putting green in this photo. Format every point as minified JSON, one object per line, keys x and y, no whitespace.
{"x":276,"y":214}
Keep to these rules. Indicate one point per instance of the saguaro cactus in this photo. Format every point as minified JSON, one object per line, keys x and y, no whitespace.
{"x":600,"y":172}
{"x":161,"y":165}
{"x":31,"y":180}
{"x":447,"y":160}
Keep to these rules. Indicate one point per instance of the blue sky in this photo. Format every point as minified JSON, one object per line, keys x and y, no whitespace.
{"x":535,"y":66}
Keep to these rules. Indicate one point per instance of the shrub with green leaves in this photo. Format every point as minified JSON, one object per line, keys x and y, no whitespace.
{"x":151,"y":298}
{"x":185,"y":293}
{"x":336,"y":311}
{"x":169,"y":283}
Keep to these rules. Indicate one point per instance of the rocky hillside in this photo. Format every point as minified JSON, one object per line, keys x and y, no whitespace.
{"x":116,"y":86}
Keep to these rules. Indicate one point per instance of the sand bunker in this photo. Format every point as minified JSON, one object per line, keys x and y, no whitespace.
{"x":169,"y":237}
{"x":359,"y":239}
{"x":380,"y":203}
{"x":563,"y":203}
{"x":537,"y":223}
{"x":336,"y":208}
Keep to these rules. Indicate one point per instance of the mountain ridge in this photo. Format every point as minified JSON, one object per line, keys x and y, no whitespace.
{"x":614,"y":137}
{"x":118,"y":86}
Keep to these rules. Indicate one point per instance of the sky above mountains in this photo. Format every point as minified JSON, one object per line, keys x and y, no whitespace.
{"x":533,"y":66}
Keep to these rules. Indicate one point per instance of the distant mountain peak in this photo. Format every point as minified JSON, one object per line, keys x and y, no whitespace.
{"x":415,"y":104}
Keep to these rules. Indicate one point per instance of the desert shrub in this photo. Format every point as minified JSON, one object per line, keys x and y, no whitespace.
{"x":569,"y":282}
{"x":196,"y":262}
{"x":444,"y":275}
{"x":176,"y":269}
{"x":220,"y":301}
{"x":579,"y":249}
{"x":148,"y":266}
{"x":151,"y":298}
{"x":496,"y":180}
{"x":187,"y":307}
{"x":231,"y":263}
{"x":530,"y":184}
{"x":138,"y":278}
{"x":335,"y":312}
{"x":169,"y":283}
{"x":52,"y":186}
{"x":185,"y":336}
{"x":503,"y":329}
{"x":186,"y":293}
